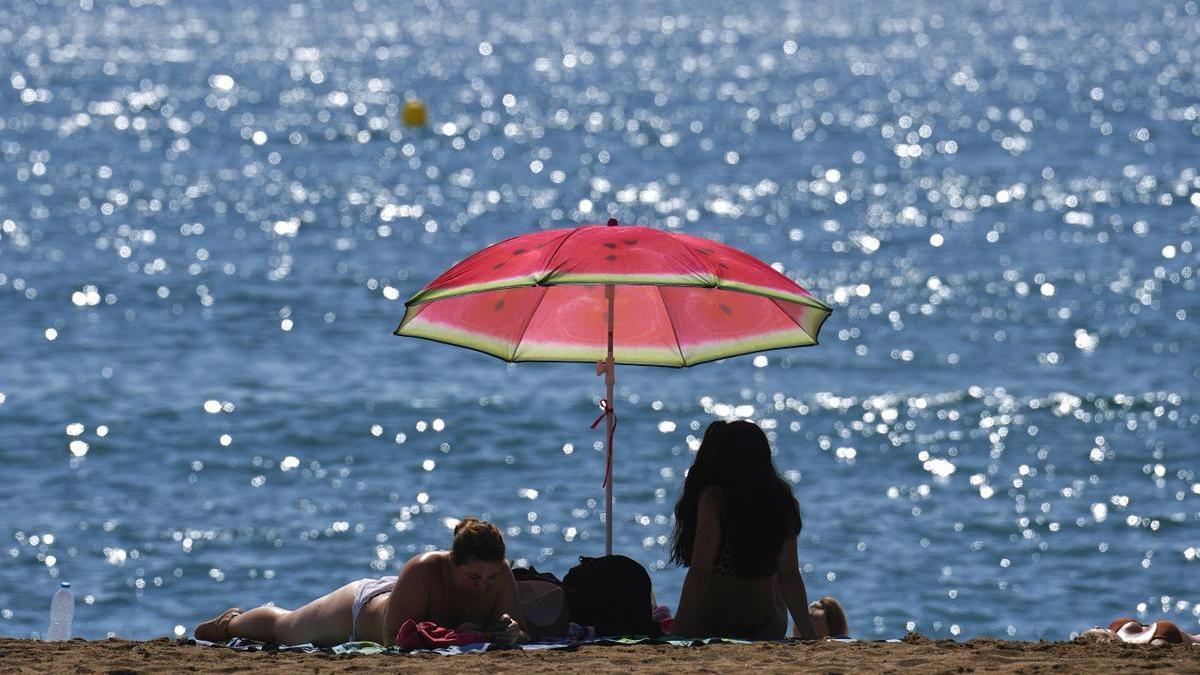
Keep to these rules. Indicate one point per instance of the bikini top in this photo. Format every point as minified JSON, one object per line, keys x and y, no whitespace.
{"x":724,"y":563}
{"x":727,"y":557}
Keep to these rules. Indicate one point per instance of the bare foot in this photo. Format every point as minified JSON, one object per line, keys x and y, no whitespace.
{"x":217,"y":630}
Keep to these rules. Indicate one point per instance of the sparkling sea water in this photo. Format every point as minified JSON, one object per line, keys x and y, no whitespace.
{"x":211,"y":213}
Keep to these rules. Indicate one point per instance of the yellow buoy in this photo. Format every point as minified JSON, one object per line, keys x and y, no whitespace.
{"x":414,"y":113}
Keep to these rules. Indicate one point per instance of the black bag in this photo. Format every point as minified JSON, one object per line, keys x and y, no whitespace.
{"x":612,"y":594}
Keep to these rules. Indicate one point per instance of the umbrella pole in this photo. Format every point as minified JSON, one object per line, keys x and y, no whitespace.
{"x":610,"y":379}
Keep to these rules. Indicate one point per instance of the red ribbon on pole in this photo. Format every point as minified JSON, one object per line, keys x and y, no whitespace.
{"x":607,"y":411}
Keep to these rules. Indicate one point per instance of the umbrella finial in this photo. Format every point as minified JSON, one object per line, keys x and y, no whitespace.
{"x":612,"y":222}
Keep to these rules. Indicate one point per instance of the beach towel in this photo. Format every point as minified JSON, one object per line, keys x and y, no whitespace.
{"x":429,"y":635}
{"x":363,"y":647}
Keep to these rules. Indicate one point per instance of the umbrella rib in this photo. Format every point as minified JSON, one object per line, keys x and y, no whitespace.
{"x":671,"y":321}
{"x":525,"y":328}
{"x":789,"y":318}
{"x":704,"y":264}
{"x":546,"y":269}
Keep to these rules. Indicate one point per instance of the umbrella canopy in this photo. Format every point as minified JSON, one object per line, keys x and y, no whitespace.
{"x":682,"y":300}
{"x":607,"y":294}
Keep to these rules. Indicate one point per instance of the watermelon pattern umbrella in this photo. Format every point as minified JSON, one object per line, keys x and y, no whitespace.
{"x":613,"y":294}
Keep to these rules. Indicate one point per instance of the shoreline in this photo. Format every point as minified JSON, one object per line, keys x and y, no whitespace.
{"x":915,"y":653}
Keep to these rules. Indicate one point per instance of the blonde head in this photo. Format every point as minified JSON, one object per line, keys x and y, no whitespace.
{"x":829,"y":612}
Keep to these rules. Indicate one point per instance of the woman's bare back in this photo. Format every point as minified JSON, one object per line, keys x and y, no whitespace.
{"x":424,"y":589}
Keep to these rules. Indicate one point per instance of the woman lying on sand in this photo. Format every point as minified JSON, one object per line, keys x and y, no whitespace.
{"x":736,"y":524}
{"x":466,"y":588}
{"x":1129,"y":630}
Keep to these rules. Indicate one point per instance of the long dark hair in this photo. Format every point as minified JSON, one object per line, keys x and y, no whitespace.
{"x":758,"y":511}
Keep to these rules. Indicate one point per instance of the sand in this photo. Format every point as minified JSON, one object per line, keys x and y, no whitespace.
{"x":916,"y":654}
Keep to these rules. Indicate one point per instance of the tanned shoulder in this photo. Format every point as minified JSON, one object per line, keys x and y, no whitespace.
{"x":428,"y":563}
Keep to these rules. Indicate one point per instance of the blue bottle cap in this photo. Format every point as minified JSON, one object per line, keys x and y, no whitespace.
{"x":65,"y":584}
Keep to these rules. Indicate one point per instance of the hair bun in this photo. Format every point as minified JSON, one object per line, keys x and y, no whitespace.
{"x":466,"y":523}
{"x":476,"y":539}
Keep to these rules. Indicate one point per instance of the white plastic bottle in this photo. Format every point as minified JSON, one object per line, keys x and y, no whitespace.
{"x":62,"y":613}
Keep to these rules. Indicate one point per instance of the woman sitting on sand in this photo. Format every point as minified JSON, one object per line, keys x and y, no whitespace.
{"x":736,"y":524}
{"x":468,"y":588}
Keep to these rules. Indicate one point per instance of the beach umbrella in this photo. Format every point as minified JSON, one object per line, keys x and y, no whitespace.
{"x":613,"y":294}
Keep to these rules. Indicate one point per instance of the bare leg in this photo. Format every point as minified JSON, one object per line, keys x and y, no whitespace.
{"x":324,"y":622}
{"x":257,"y":624}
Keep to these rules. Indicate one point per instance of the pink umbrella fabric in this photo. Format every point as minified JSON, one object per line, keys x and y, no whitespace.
{"x":614,"y":294}
{"x":682,"y":300}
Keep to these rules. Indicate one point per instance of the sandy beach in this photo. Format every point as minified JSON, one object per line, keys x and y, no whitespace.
{"x":915,"y":654}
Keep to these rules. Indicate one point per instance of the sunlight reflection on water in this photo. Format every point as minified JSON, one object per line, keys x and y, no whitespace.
{"x":212,"y":215}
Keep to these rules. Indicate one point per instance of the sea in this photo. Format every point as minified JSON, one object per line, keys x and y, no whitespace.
{"x":211,"y":214}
